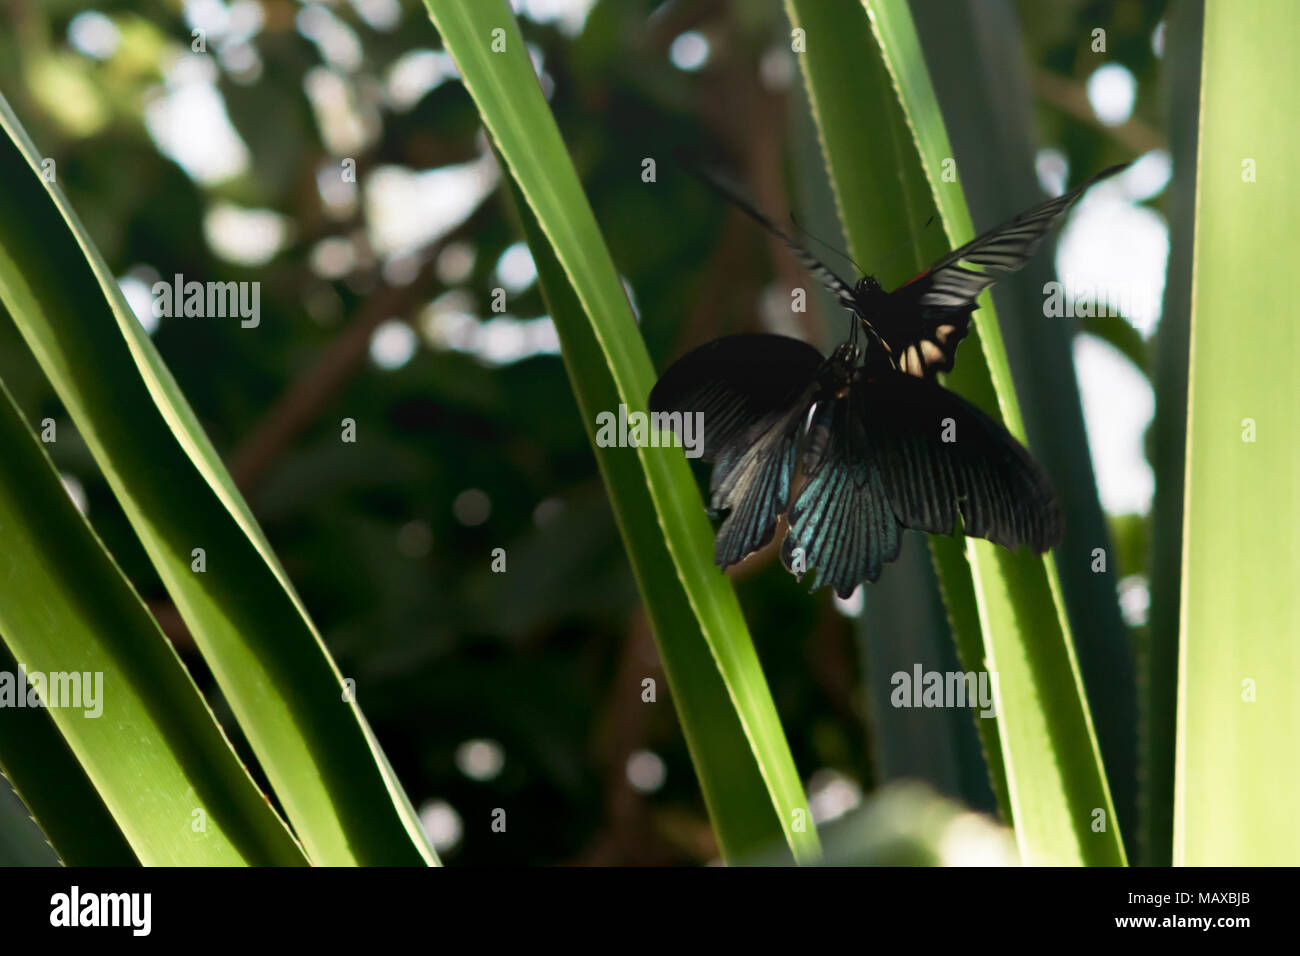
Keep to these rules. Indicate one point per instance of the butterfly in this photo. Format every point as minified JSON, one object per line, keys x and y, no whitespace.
{"x":856,"y":447}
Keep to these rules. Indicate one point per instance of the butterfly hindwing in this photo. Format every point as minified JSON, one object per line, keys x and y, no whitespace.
{"x":841,"y":522}
{"x":752,"y":392}
{"x":921,"y":339}
{"x":940,"y":456}
{"x":752,"y":488}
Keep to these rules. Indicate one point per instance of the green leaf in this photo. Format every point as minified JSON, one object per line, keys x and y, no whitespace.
{"x":1053,"y":769}
{"x":729,"y":777}
{"x":1158,"y":660}
{"x":53,"y":789}
{"x":972,"y":48}
{"x":908,"y":824}
{"x":139,"y":727}
{"x":515,"y":113}
{"x":22,"y":843}
{"x":338,"y":792}
{"x":900,"y":630}
{"x":1120,"y":334}
{"x":847,"y":73}
{"x":1239,"y":715}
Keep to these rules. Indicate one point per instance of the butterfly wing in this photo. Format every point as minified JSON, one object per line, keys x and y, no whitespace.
{"x":940,"y":456}
{"x":818,"y":269}
{"x":924,"y":321}
{"x":752,"y":392}
{"x":841,"y":522}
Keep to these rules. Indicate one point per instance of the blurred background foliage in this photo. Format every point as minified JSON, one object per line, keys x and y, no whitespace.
{"x":521,"y":689}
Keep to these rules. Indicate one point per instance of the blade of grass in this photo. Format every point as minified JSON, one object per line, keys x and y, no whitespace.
{"x":905,"y":619}
{"x":898,"y":631}
{"x":973,"y":51}
{"x":513,"y":109}
{"x":143,"y":733}
{"x":730,"y":778}
{"x":958,"y":590}
{"x":53,"y":789}
{"x":1238,"y":713}
{"x":286,"y":693}
{"x":1055,"y":785}
{"x":1158,"y":729}
{"x":878,"y":203}
{"x":22,"y":843}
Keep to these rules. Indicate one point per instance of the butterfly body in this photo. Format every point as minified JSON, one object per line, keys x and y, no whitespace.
{"x":836,"y":373}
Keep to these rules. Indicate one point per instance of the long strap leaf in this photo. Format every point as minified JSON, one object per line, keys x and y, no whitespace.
{"x":116,"y":690}
{"x":1055,"y":788}
{"x":483,"y":38}
{"x":337,"y":790}
{"x":1238,"y":714}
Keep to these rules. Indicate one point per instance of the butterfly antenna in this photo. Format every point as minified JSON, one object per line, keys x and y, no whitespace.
{"x":901,"y":247}
{"x":827,"y":246}
{"x":889,"y":259}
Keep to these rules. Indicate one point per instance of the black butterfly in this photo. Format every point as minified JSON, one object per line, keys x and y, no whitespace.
{"x":879,"y":446}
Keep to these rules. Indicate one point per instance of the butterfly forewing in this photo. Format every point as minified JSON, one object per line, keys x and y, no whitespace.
{"x":752,"y":392}
{"x":940,"y":456}
{"x":1010,"y":245}
{"x":922,"y":322}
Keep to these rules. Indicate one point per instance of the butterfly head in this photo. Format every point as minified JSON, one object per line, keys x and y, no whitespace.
{"x":867,"y":286}
{"x":868,"y":298}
